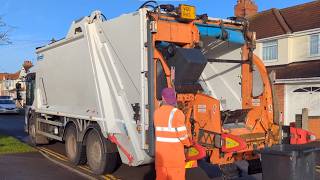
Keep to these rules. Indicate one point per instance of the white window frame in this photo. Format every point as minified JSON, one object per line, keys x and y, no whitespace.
{"x":310,"y":45}
{"x":268,"y":46}
{"x":307,"y":89}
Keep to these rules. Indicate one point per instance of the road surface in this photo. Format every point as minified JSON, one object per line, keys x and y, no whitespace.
{"x":14,"y":125}
{"x":32,"y":165}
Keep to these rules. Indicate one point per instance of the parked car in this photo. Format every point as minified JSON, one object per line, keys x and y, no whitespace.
{"x":8,"y":106}
{"x":6,"y":97}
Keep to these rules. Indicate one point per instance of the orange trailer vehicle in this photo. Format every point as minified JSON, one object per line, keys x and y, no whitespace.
{"x":183,"y":46}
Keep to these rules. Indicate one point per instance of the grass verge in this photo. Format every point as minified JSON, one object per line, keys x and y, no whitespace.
{"x":9,"y":145}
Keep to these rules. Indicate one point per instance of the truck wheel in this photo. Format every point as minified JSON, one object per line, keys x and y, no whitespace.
{"x":99,"y":161}
{"x":35,"y":139}
{"x":74,"y":150}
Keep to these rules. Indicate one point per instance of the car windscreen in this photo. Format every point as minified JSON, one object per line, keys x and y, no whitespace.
{"x":5,"y":101}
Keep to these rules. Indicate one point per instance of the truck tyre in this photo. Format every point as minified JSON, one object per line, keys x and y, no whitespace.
{"x":35,"y":138}
{"x":74,"y":150}
{"x":98,"y":159}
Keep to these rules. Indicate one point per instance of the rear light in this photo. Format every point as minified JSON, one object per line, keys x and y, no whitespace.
{"x":232,"y":143}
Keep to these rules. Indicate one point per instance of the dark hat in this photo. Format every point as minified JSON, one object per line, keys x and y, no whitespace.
{"x":169,"y":96}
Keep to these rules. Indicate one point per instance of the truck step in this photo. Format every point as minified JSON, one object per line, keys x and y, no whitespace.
{"x":55,"y":123}
{"x":49,"y":135}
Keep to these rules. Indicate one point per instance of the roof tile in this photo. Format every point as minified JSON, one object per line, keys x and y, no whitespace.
{"x":297,"y":18}
{"x":305,"y":69}
{"x":9,"y":76}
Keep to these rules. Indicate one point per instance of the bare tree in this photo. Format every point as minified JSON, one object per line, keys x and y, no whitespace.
{"x":4,"y":33}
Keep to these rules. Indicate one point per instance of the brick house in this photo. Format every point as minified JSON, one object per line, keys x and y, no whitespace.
{"x":288,"y":41}
{"x":8,"y":81}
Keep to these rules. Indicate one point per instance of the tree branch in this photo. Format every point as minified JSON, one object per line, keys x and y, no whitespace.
{"x":4,"y":33}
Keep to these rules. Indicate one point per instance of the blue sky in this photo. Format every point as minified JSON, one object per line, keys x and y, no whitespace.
{"x":35,"y":22}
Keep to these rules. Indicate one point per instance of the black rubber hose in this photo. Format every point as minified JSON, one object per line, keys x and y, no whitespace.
{"x":151,"y":131}
{"x":104,"y":17}
{"x":147,"y":2}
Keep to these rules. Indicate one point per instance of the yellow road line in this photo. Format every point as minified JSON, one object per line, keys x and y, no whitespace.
{"x":65,"y":159}
{"x":58,"y":157}
{"x":106,"y":178}
{"x":49,"y":151}
{"x":85,"y":167}
{"x":56,"y":153}
{"x":111,"y":177}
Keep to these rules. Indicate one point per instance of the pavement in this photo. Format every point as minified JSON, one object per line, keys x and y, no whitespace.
{"x":36,"y":166}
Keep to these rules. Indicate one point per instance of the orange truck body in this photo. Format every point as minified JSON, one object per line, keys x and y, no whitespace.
{"x":259,"y":130}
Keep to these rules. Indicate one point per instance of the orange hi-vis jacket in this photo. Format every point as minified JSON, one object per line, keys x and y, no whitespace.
{"x":171,"y":137}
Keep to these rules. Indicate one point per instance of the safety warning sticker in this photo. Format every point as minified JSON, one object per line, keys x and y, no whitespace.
{"x":202,"y":108}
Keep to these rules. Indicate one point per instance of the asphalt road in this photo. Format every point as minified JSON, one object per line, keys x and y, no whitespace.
{"x":31,"y":165}
{"x":14,"y":125}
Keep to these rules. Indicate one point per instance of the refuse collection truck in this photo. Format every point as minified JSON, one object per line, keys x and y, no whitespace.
{"x":97,"y":88}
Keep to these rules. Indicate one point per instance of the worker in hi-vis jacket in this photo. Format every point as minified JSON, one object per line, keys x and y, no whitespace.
{"x":171,"y":137}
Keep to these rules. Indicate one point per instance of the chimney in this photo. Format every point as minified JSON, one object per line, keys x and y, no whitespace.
{"x":245,"y":8}
{"x":27,"y":65}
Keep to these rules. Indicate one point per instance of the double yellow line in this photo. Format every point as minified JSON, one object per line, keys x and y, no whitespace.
{"x":318,"y":169}
{"x":65,"y":159}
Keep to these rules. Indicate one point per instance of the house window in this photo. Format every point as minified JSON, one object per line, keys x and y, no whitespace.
{"x":270,"y":50}
{"x":308,"y":89}
{"x":314,"y":44}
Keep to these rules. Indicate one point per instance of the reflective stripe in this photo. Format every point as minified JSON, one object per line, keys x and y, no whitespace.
{"x":184,"y":137}
{"x":181,"y":128}
{"x":171,"y":129}
{"x":171,"y":140}
{"x":171,"y":117}
{"x":166,"y":129}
